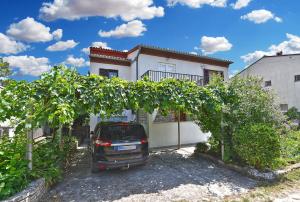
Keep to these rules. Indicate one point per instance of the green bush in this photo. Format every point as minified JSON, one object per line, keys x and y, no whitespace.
{"x":257,"y":145}
{"x":290,"y":147}
{"x":202,"y":147}
{"x":293,"y":114}
{"x":13,"y":166}
{"x":48,"y":162}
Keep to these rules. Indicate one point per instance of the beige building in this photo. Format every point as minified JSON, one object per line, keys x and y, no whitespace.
{"x":157,"y":64}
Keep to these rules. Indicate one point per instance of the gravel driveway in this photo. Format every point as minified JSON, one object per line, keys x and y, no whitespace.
{"x":172,"y":175}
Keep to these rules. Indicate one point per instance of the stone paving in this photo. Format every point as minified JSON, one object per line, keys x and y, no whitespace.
{"x":172,"y":175}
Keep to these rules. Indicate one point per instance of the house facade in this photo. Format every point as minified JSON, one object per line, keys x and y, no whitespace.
{"x":157,"y":64}
{"x":280,"y":73}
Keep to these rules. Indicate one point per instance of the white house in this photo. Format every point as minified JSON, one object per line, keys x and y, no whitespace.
{"x":158,"y":63}
{"x":280,"y":73}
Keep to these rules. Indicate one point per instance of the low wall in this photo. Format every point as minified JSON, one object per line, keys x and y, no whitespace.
{"x":166,"y":134}
{"x":33,"y":193}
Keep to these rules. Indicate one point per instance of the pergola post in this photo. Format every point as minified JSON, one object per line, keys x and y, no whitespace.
{"x":29,"y":147}
{"x":178,"y":123}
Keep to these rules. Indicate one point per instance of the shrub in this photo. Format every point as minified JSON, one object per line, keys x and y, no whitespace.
{"x":202,"y":147}
{"x":290,"y":147}
{"x":257,"y":145}
{"x":293,"y":114}
{"x":48,"y":162}
{"x":13,"y":166}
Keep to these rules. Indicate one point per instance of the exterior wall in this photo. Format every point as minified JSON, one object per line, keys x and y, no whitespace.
{"x":281,"y":70}
{"x":149,"y":62}
{"x":166,"y":134}
{"x":124,"y":71}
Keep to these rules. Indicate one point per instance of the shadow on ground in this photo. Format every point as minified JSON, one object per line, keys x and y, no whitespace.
{"x":169,"y":175}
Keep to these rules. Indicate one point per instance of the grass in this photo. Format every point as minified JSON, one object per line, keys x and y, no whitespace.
{"x":290,"y":183}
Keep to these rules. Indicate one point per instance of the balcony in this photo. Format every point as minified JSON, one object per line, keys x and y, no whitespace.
{"x":160,"y":75}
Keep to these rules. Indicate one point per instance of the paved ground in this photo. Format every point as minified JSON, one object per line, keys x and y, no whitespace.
{"x":168,"y":176}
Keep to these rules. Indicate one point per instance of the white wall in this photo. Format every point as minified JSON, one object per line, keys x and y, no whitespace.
{"x":281,"y":71}
{"x":124,"y":71}
{"x":166,"y":134}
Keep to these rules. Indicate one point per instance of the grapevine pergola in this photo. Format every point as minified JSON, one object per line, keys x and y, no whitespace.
{"x":62,"y":95}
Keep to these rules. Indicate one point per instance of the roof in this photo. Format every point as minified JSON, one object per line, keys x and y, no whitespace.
{"x":267,"y":56}
{"x":160,"y":52}
{"x":177,"y":52}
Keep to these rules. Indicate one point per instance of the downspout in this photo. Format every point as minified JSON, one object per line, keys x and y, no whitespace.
{"x":136,"y":59}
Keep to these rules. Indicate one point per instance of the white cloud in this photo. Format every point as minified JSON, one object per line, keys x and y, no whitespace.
{"x":96,"y":44}
{"x":77,"y":62}
{"x":210,"y":45}
{"x":62,"y":45}
{"x":9,"y":46}
{"x":30,"y":30}
{"x":29,"y":65}
{"x":133,"y":28}
{"x":240,"y":4}
{"x":290,"y":46}
{"x":57,"y":34}
{"x":75,"y":9}
{"x":198,"y":3}
{"x":260,"y":16}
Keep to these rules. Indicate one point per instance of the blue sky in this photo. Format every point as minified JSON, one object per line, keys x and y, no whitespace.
{"x":238,"y":30}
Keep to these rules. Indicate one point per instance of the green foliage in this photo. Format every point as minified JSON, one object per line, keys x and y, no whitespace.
{"x":49,"y":160}
{"x":257,"y":145}
{"x":293,"y":114}
{"x":290,"y":147}
{"x":13,"y":166}
{"x":202,"y":147}
{"x":4,"y":72}
{"x":237,"y":103}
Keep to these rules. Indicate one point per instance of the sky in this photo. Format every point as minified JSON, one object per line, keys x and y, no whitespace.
{"x":37,"y":34}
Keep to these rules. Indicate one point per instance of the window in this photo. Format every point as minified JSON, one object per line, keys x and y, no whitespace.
{"x":109,"y":73}
{"x":166,"y":67}
{"x":284,"y":107}
{"x":297,"y":78}
{"x":268,"y":83}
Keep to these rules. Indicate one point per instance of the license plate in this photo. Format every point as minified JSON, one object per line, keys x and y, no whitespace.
{"x":128,"y":147}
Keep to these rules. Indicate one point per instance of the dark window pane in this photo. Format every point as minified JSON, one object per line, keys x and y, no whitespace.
{"x":297,"y":78}
{"x":109,"y":73}
{"x":268,"y":83}
{"x":122,"y":132}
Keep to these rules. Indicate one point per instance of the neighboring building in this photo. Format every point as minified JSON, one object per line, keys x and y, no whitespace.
{"x":157,"y":64}
{"x":280,"y":73}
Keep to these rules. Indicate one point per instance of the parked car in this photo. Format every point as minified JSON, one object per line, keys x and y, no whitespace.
{"x":117,"y":145}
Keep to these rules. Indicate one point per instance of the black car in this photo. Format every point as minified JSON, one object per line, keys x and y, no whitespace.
{"x":117,"y":145}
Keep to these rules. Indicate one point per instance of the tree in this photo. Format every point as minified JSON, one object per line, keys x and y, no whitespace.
{"x":4,"y":71}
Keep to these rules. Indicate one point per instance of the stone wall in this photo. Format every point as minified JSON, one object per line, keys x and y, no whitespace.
{"x":33,"y":193}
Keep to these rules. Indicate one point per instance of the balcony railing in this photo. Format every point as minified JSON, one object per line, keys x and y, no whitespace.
{"x":160,"y":75}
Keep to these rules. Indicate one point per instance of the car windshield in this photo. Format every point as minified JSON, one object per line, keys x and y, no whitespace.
{"x":122,"y":132}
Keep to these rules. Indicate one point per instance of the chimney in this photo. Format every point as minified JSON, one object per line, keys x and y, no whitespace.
{"x":279,"y":53}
